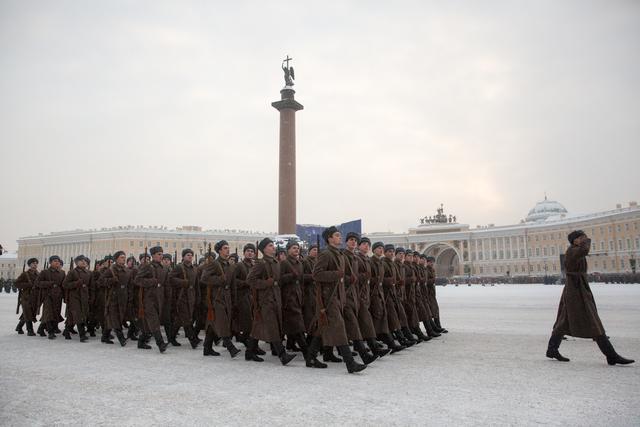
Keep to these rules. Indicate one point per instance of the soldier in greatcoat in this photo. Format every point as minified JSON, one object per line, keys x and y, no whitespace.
{"x":577,"y":312}
{"x":151,"y":279}
{"x":241,"y":292}
{"x":328,"y":273}
{"x":392,"y":300}
{"x":184,"y":279}
{"x":117,"y":281}
{"x":264,"y":280}
{"x":28,"y":296}
{"x":49,"y":283}
{"x":76,"y":287}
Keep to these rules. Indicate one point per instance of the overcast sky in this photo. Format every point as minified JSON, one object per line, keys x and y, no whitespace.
{"x":115,"y":113}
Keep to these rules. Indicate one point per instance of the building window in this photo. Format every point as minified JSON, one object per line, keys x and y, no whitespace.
{"x":553,"y":250}
{"x":610,"y":245}
{"x":536,"y":237}
{"x":619,"y":244}
{"x":618,"y":228}
{"x":544,"y":251}
{"x":493,"y":254}
{"x":501,"y":254}
{"x":626,"y":226}
{"x":637,"y":243}
{"x":609,"y":228}
{"x":628,"y":243}
{"x":537,"y":251}
{"x":621,"y":263}
{"x":601,"y":230}
{"x":602,"y":246}
{"x":521,"y":253}
{"x":529,"y":252}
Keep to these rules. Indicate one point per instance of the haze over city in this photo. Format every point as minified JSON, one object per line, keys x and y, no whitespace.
{"x":121,"y":113}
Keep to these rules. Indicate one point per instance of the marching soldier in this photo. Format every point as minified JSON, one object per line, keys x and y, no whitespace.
{"x":50,"y":284}
{"x":151,"y":279}
{"x":577,"y":312}
{"x":410,"y":304}
{"x":433,"y":302}
{"x":378,"y":307}
{"x":352,"y":303}
{"x":132,"y":301}
{"x":117,"y":280}
{"x":28,"y":297}
{"x":291,"y":276}
{"x":168,"y":306}
{"x":242,"y":315}
{"x":216,"y":277}
{"x":401,"y":293}
{"x":184,"y":279}
{"x":328,"y":274}
{"x":393,"y":304}
{"x":365,"y":285}
{"x":76,"y":285}
{"x":99,"y":293}
{"x":309,"y":289}
{"x":422,"y":298}
{"x":267,"y":305}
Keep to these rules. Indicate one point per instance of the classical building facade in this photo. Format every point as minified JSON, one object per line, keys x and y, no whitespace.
{"x":132,"y":240}
{"x":9,"y":266}
{"x":532,"y":247}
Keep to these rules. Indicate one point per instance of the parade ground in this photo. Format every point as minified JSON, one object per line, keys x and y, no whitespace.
{"x":489,"y":370}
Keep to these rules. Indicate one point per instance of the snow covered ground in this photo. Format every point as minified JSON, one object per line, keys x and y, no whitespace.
{"x":489,"y":370}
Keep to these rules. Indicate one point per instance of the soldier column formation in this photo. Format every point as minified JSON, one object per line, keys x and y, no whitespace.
{"x":364,"y":305}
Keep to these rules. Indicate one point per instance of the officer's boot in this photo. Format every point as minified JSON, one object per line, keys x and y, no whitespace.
{"x":328,"y":356}
{"x":121,"y":338}
{"x":228,"y":344}
{"x":607,"y":349}
{"x":311,"y":353}
{"x":207,"y":347}
{"x":376,"y":349}
{"x":162,"y":346}
{"x":41,"y":331}
{"x":391,"y":343}
{"x":106,"y":336}
{"x":362,"y":350}
{"x":19,"y":327}
{"x":430,"y":331}
{"x":282,"y":353}
{"x":251,"y":353}
{"x":83,"y":333}
{"x":142,"y":341}
{"x":352,"y":365}
{"x":552,"y":348}
{"x":30,"y":328}
{"x":437,"y":322}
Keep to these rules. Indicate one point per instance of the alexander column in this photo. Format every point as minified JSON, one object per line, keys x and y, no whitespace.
{"x":287,"y":179}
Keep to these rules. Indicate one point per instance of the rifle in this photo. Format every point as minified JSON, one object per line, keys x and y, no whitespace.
{"x":66,"y":291}
{"x":141,"y":292}
{"x":175,"y":258}
{"x":24,"y":264}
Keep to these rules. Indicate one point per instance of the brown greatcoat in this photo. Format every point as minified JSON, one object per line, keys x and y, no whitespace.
{"x":352,"y":305}
{"x":50,"y":283}
{"x":168,"y":304}
{"x":184,"y":279}
{"x":390,"y":296}
{"x":152,"y":277}
{"x":97,"y":297}
{"x":367,"y":328}
{"x":308,"y":293}
{"x":242,"y":314}
{"x":410,"y":280}
{"x":577,"y":313}
{"x":132,"y":296}
{"x":431,"y":291}
{"x":328,"y":274}
{"x":28,"y":295}
{"x":422,"y":303}
{"x":201,"y":299}
{"x":216,"y":276}
{"x":117,"y":281}
{"x":378,"y":307}
{"x":76,"y":286}
{"x":267,"y":303}
{"x":401,"y":293}
{"x":291,"y":272}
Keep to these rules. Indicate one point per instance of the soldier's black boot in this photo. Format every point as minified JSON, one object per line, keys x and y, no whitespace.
{"x":83,"y":333}
{"x":607,"y":349}
{"x":41,"y":330}
{"x":207,"y":347}
{"x":434,"y":326}
{"x":19,"y":327}
{"x":311,"y":353}
{"x":142,"y":341}
{"x":162,"y":346}
{"x":132,"y":332}
{"x":251,"y":353}
{"x":30,"y":329}
{"x":91,"y":328}
{"x":552,"y":348}
{"x":402,"y":339}
{"x":73,"y":331}
{"x":437,"y":322}
{"x":66,"y":334}
{"x":328,"y":356}
{"x":228,"y":344}
{"x":362,"y":350}
{"x":51,"y":331}
{"x":376,"y":349}
{"x":106,"y":336}
{"x":430,"y":331}
{"x":391,"y":343}
{"x":191,"y":335}
{"x":352,"y":365}
{"x":56,"y":329}
{"x":171,"y":333}
{"x":418,"y":332}
{"x":121,"y":338}
{"x":408,"y":335}
{"x":282,"y":353}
